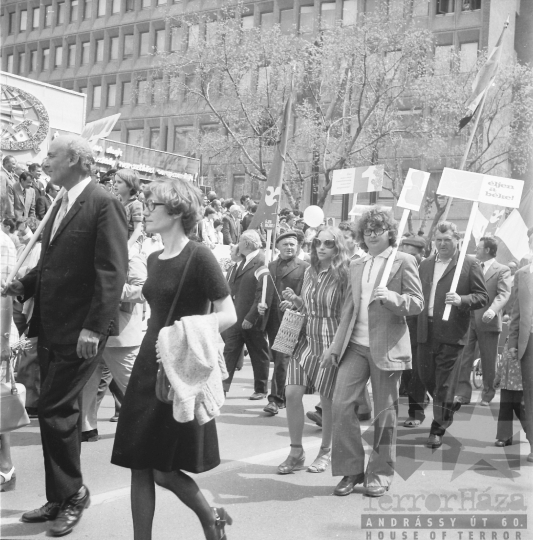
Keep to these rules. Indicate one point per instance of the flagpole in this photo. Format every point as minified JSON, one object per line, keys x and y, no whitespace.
{"x":467,"y":150}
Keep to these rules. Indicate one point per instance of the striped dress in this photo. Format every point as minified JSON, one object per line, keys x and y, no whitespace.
{"x":323,"y":300}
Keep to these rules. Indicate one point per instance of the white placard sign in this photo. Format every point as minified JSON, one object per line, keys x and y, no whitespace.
{"x":342,"y":182}
{"x":414,"y":189}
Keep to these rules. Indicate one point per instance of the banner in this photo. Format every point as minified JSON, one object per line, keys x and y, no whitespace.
{"x":357,"y":180}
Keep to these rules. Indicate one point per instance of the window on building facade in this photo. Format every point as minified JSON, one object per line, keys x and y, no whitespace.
{"x":306,"y":19}
{"x":9,"y":63}
{"x":82,"y":90}
{"x":142,"y":91}
{"x":125,"y":98}
{"x":115,"y":6}
{"x":98,"y":50}
{"x":174,"y":88}
{"x":327,"y":14}
{"x":267,"y":19}
{"x":471,"y":5}
{"x":115,"y":135}
{"x":73,"y":11}
{"x":135,"y":136}
{"x":211,"y":30}
{"x":174,"y":39}
{"x":36,"y":12}
{"x":97,"y":96}
{"x":86,"y":9}
{"x":160,"y":40}
{"x":188,"y":82}
{"x":11,"y":22}
{"x":468,"y":56}
{"x":58,"y":56}
{"x":60,"y":19}
{"x":144,"y":41}
{"x":194,"y":33}
{"x":146,"y":4}
{"x":85,"y":49}
{"x":128,"y":45}
{"x":159,"y":91}
{"x":130,"y":5}
{"x":443,"y":59}
{"x":100,"y":8}
{"x":71,"y":60}
{"x":33,"y":60}
{"x":23,"y":21}
{"x":238,"y":186}
{"x":111,"y":95}
{"x":22,"y":63}
{"x":349,"y":12}
{"x":46,"y":59}
{"x":286,"y":20}
{"x":182,"y":139}
{"x":161,"y":2}
{"x":113,"y":48}
{"x":48,"y":16}
{"x":445,"y":6}
{"x":154,"y":138}
{"x":247,"y":22}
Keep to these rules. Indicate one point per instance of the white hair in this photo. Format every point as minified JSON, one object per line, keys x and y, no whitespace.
{"x":252,"y":239}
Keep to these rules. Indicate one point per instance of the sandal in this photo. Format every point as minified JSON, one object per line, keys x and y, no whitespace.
{"x":292,"y":463}
{"x":412,"y":422}
{"x":8,"y":480}
{"x":321,"y":462}
{"x":221,"y":519}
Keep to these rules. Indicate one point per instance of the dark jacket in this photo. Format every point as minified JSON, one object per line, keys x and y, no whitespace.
{"x":231,"y":230}
{"x":471,"y":288}
{"x":243,"y":284}
{"x":293,"y":277}
{"x":79,"y":278}
{"x":42,"y":205}
{"x":246,"y":220}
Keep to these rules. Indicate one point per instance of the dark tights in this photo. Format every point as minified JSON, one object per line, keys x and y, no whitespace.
{"x":183,"y":486}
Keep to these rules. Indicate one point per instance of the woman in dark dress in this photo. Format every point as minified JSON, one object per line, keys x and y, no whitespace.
{"x":148,"y":440}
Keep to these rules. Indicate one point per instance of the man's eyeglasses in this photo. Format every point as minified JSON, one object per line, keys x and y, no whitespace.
{"x":330,"y":244}
{"x":376,"y":232}
{"x":151,"y":205}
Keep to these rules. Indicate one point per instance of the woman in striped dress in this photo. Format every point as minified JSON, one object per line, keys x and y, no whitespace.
{"x":321,"y":301}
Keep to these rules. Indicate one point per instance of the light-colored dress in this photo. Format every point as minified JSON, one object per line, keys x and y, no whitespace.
{"x":323,"y":298}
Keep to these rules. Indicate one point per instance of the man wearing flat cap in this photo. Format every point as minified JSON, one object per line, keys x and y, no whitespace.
{"x":286,"y":271}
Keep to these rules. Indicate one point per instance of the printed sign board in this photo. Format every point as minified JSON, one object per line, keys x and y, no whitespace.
{"x":414,"y":189}
{"x":357,"y":180}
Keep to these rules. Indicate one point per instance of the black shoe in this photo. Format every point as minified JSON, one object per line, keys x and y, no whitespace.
{"x":48,"y":512}
{"x":363,"y":417}
{"x":70,"y":513}
{"x":346,"y":485}
{"x":376,"y":491}
{"x":434,"y":441}
{"x":90,"y":436}
{"x":501,"y":443}
{"x":32,"y":412}
{"x":271,"y":408}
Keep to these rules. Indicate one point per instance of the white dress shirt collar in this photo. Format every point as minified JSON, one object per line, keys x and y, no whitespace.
{"x":75,"y":191}
{"x":385,"y":254}
{"x":487,"y":265}
{"x":249,"y":257}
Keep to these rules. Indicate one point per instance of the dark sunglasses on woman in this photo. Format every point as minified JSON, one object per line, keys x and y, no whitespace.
{"x":330,"y":244}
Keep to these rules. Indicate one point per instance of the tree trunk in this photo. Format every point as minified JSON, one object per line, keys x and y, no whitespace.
{"x":436,"y":219}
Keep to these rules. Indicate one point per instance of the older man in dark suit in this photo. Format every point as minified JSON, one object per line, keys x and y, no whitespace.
{"x":286,"y":271}
{"x":247,"y":330}
{"x":77,"y":286}
{"x":440,"y":343}
{"x":485,"y":324}
{"x":521,"y":339}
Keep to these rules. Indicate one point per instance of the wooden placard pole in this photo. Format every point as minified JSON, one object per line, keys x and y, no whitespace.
{"x":268,"y":253}
{"x":461,"y":259}
{"x":390,"y":260}
{"x":33,"y":239}
{"x":354,"y":202}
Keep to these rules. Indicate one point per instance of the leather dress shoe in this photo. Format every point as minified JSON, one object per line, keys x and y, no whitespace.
{"x":90,"y":436}
{"x":271,"y":408}
{"x":257,"y":395}
{"x":434,"y":441}
{"x":70,"y":513}
{"x":47,"y":512}
{"x":363,"y":417}
{"x":346,"y":485}
{"x":501,"y":443}
{"x":376,"y":491}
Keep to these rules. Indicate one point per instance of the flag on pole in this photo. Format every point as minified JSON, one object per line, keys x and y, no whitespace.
{"x":267,"y":210}
{"x":484,"y":79}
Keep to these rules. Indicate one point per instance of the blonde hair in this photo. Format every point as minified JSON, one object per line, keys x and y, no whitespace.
{"x":131,"y":179}
{"x":340,"y":261}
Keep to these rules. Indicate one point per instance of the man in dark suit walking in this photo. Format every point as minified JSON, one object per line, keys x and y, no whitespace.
{"x":77,"y":286}
{"x":286,"y":271}
{"x":231,"y":225}
{"x":485,"y":325}
{"x":43,"y":203}
{"x":440,"y":343}
{"x":247,"y":330}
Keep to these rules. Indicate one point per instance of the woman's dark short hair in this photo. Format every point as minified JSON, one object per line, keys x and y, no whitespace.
{"x":180,"y":197}
{"x":377,"y":217}
{"x":209,"y":210}
{"x":24,"y":176}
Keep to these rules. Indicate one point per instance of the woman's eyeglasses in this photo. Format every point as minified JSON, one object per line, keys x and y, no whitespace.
{"x":151,"y":205}
{"x":330,"y":244}
{"x":377,"y":232}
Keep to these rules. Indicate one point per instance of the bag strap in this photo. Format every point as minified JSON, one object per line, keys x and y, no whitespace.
{"x":182,"y":279}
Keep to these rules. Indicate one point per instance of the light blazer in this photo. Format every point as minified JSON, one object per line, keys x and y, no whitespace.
{"x":390,"y":345}
{"x":78,"y":281}
{"x":23,"y":207}
{"x":498,"y":284}
{"x":520,"y":326}
{"x":243,"y":284}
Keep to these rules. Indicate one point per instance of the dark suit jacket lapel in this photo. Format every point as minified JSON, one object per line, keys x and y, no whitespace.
{"x":76,"y":207}
{"x":19,"y":193}
{"x":293,"y":265}
{"x":451,"y":266}
{"x":48,"y":228}
{"x":250,"y":266}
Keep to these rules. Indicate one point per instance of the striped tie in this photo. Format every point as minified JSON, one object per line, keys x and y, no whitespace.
{"x":60,"y":215}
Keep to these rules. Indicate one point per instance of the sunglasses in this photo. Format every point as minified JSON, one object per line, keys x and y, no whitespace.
{"x":330,"y":244}
{"x":377,"y":232}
